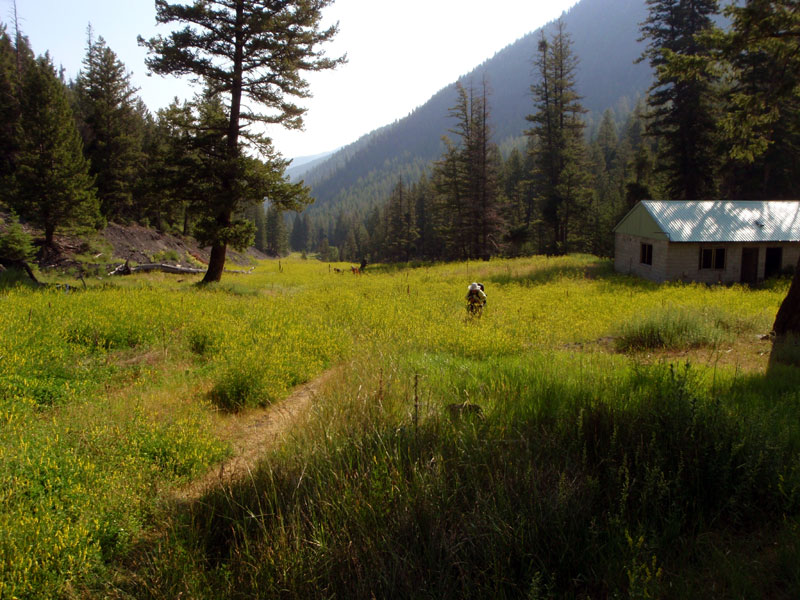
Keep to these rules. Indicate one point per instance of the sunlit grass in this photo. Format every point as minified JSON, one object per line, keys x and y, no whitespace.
{"x":109,"y":394}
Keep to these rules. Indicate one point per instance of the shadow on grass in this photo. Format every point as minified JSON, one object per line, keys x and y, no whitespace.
{"x":598,"y":270}
{"x":578,"y":497}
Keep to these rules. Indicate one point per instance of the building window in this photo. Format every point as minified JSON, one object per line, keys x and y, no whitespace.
{"x":712,"y":258}
{"x":646,"y":254}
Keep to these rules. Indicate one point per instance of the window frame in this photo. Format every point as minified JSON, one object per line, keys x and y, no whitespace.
{"x":646,"y":254}
{"x":712,"y":259}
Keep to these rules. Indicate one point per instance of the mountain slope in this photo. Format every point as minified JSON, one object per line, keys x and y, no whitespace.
{"x":604,"y":34}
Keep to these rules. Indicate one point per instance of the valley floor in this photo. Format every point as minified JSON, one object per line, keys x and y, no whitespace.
{"x":299,"y":432}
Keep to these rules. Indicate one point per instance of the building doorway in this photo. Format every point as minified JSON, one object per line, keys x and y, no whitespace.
{"x":750,"y":266}
{"x":773,"y":265}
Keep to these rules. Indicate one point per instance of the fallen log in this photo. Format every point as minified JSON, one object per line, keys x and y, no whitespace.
{"x":166,"y":268}
{"x":9,"y":263}
{"x":126,"y":269}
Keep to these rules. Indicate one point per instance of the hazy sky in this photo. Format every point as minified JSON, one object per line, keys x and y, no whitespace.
{"x":400,"y":53}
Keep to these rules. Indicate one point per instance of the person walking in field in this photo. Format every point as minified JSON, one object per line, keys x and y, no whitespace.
{"x":476,"y":298}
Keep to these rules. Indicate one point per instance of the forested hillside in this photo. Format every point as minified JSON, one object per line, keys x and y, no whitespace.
{"x":605,"y":35}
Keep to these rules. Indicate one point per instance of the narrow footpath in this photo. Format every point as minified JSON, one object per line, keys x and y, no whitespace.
{"x":251,"y":433}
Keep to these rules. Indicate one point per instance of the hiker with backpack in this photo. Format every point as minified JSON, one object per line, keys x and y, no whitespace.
{"x":476,"y":298}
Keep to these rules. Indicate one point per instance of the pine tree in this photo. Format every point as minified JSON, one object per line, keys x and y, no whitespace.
{"x":401,"y":219}
{"x":276,"y":233}
{"x":111,"y":128}
{"x":53,"y":187}
{"x":762,"y":127}
{"x":258,"y":215}
{"x":559,"y":176}
{"x":244,"y":49}
{"x":760,"y":53}
{"x":15,"y":245}
{"x":682,"y":99}
{"x":9,"y":112}
{"x":429,"y":244}
{"x":299,"y":239}
{"x":517,"y":214}
{"x":467,"y":181}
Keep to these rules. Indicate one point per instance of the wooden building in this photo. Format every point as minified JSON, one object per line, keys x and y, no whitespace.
{"x":708,"y":241}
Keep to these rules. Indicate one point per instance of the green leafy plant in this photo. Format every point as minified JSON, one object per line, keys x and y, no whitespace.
{"x":15,"y":244}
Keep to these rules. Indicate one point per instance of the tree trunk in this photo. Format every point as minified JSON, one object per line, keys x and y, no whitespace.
{"x":216,"y":263}
{"x":21,"y":265}
{"x":49,"y":241}
{"x":786,"y":345}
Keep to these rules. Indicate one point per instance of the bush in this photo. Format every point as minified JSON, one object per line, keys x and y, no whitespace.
{"x":166,"y":256}
{"x":240,"y":386}
{"x":676,"y":329}
{"x":15,"y":244}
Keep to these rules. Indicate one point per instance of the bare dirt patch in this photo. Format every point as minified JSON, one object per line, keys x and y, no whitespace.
{"x":251,"y":433}
{"x":125,"y":242}
{"x":748,"y":353}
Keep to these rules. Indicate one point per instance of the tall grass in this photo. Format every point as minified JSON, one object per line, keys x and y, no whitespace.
{"x":674,"y":328}
{"x":583,"y":482}
{"x":578,"y":474}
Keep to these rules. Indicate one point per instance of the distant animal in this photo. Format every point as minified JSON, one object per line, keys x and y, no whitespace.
{"x":336,"y":270}
{"x":355,"y":270}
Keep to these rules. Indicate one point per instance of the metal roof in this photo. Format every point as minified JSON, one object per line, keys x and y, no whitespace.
{"x":727,"y":220}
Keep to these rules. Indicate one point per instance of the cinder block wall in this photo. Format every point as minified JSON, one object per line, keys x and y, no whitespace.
{"x":627,"y":256}
{"x":681,"y":262}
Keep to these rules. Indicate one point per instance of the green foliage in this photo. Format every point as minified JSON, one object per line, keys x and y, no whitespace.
{"x":277,"y":238}
{"x":585,"y":478}
{"x":585,"y":466}
{"x":15,"y":244}
{"x":678,"y":329}
{"x":759,"y":123}
{"x":465,"y":211}
{"x":111,"y":128}
{"x":682,"y":98}
{"x":557,"y":144}
{"x":245,"y":70}
{"x":167,"y":256}
{"x":53,"y":187}
{"x":9,"y":109}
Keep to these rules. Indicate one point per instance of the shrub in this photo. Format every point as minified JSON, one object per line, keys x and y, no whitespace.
{"x":673,"y":329}
{"x":15,"y":244}
{"x":240,"y":386}
{"x":167,"y":256}
{"x":202,"y":342}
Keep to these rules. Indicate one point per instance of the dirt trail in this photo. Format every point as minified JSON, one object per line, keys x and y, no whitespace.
{"x":251,"y":433}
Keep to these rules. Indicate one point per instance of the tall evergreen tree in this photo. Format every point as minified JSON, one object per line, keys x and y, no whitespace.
{"x":276,"y":234}
{"x":53,"y":187}
{"x":517,"y":214}
{"x":559,"y":154}
{"x":258,"y":215}
{"x":682,"y":99}
{"x":467,"y":180}
{"x":9,"y":111}
{"x":450,"y":216}
{"x":299,"y":239}
{"x":172,"y":165}
{"x":760,"y":54}
{"x":111,"y":128}
{"x":244,"y":49}
{"x":401,"y":219}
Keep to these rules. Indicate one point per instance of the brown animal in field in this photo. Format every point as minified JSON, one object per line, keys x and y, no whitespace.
{"x":355,"y":270}
{"x":336,"y":270}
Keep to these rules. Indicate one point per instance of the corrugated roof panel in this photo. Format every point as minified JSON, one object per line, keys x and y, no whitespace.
{"x":727,"y":220}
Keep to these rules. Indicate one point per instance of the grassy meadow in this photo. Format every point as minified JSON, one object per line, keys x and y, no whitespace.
{"x":627,"y":442}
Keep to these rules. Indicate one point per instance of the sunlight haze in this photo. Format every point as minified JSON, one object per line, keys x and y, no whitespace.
{"x":399,"y":54}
